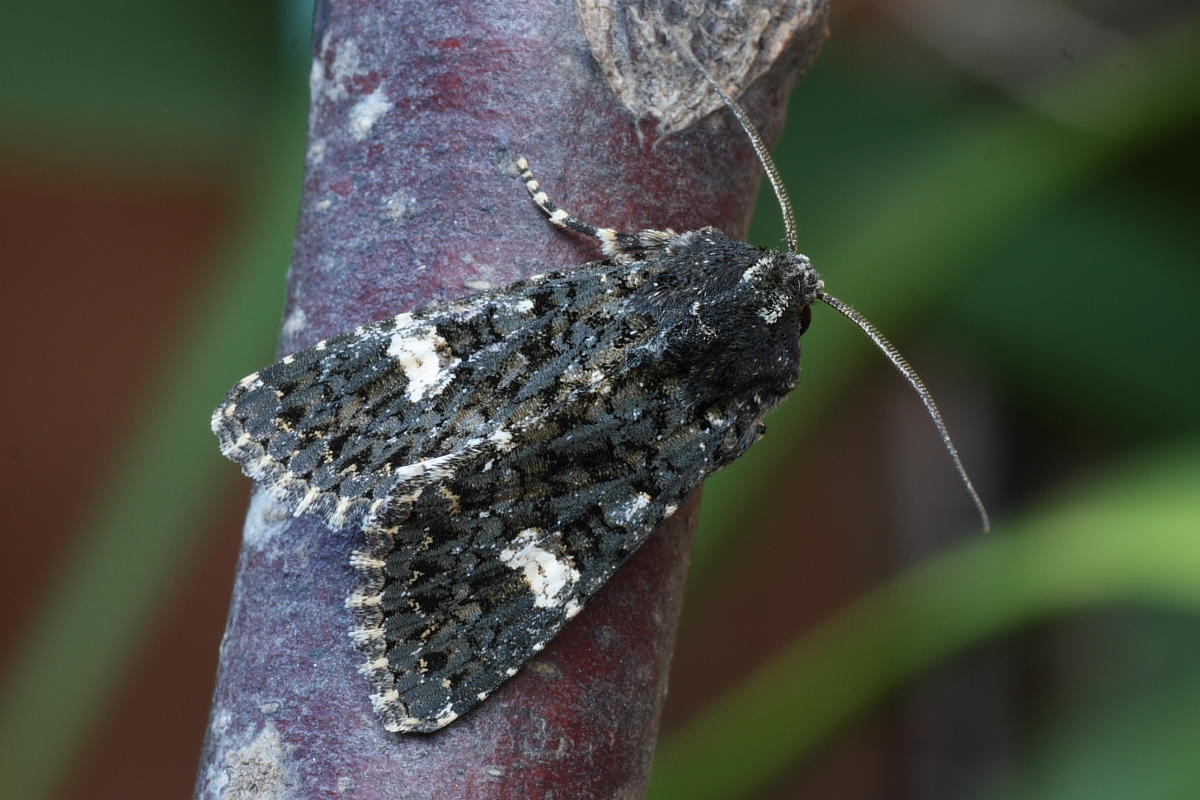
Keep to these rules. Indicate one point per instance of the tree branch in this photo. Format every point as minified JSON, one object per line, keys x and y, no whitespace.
{"x":419,"y":110}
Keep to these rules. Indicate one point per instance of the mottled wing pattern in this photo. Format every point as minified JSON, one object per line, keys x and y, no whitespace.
{"x":465,"y":579}
{"x":332,"y":429}
{"x":504,"y":455}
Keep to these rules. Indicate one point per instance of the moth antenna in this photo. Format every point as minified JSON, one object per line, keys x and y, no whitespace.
{"x":764,"y":158}
{"x":910,"y":374}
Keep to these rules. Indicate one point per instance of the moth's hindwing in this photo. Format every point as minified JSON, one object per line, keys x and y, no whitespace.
{"x":467,"y":578}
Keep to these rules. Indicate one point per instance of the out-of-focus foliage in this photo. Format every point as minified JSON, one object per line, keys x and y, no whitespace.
{"x":1052,"y":232}
{"x":168,"y":88}
{"x":1129,"y":538}
{"x":1064,"y":253}
{"x":129,"y":81}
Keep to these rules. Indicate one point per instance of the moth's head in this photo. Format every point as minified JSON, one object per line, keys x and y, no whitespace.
{"x":792,"y":273}
{"x":777,"y":288}
{"x":802,"y":276}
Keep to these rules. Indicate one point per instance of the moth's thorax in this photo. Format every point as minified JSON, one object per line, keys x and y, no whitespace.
{"x":729,"y":316}
{"x":717,"y":265}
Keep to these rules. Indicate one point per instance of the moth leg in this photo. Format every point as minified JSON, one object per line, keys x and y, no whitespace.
{"x":612,"y":241}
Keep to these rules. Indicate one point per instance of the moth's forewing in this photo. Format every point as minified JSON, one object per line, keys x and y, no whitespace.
{"x":505,"y":454}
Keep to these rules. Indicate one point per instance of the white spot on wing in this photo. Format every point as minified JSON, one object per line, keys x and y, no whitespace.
{"x":547,"y":574}
{"x":417,"y":352}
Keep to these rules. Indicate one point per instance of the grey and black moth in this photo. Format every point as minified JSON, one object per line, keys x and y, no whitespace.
{"x":504,"y":454}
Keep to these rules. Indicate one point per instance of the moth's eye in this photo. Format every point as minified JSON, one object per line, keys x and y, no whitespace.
{"x":805,"y":318}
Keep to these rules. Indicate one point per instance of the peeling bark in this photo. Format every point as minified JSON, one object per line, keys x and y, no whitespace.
{"x":418,"y":111}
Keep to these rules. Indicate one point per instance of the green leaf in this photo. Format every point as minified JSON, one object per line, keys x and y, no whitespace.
{"x":1130,"y":539}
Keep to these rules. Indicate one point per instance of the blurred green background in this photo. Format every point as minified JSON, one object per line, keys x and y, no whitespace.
{"x":1008,"y":190}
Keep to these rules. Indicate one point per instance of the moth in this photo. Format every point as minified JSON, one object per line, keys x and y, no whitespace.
{"x":504,"y":454}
